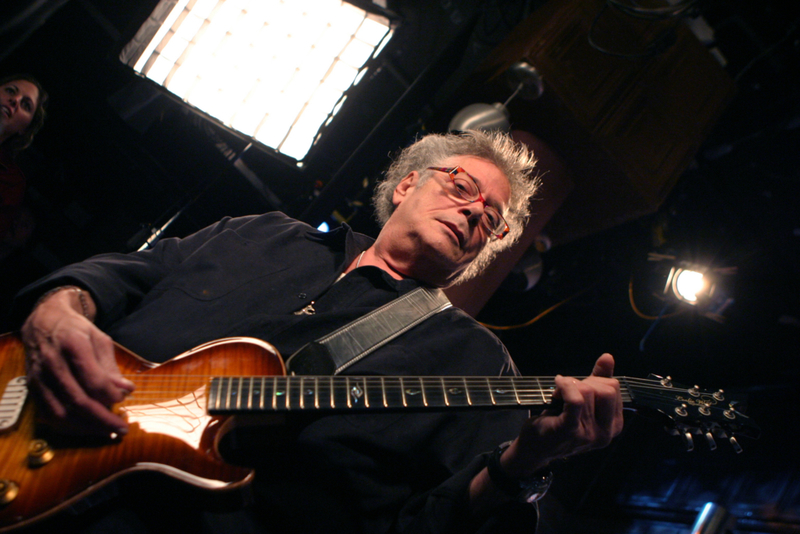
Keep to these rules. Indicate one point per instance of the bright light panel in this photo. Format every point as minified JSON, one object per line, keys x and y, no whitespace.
{"x":274,"y":70}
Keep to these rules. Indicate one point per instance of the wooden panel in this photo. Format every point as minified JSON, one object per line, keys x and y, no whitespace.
{"x":626,"y":127}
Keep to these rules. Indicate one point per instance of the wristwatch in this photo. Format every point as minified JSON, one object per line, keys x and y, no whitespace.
{"x":529,"y":489}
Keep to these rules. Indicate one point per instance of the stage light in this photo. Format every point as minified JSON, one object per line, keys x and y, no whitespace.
{"x":687,"y":284}
{"x":525,"y":81}
{"x":275,"y":70}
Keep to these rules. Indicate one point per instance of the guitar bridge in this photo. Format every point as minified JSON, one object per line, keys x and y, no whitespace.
{"x":12,"y":402}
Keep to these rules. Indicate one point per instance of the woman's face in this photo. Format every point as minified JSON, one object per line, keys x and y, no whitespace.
{"x":18,"y":101}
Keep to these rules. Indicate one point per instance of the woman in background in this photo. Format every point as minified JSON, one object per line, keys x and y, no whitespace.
{"x":22,"y":111}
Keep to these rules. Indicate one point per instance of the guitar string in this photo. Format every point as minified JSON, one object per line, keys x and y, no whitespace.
{"x":520,"y":384}
{"x":523,"y":386}
{"x":394,"y":390}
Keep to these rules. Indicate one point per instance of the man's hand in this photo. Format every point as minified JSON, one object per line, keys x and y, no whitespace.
{"x":590,"y":418}
{"x":71,"y":366}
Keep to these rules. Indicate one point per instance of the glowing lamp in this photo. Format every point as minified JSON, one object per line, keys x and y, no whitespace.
{"x":688,"y":285}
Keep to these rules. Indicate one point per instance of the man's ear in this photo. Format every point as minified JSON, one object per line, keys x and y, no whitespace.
{"x":404,"y":188}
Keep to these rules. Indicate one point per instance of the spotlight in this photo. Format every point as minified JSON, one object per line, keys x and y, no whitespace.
{"x":688,"y":284}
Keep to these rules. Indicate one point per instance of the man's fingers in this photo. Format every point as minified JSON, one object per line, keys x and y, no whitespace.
{"x":574,"y":400}
{"x":76,"y":404}
{"x":104,"y":352}
{"x":604,"y":366}
{"x":608,"y":408}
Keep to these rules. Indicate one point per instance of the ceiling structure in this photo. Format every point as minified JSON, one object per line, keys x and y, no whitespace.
{"x":119,"y":159}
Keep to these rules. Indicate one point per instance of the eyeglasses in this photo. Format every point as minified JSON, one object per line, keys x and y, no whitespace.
{"x":468,"y":190}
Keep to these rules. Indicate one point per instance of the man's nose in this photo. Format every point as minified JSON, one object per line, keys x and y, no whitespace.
{"x":473,"y":211}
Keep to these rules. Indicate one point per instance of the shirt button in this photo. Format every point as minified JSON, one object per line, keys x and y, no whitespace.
{"x":302,"y":296}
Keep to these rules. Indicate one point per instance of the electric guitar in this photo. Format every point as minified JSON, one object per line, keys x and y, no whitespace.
{"x":181,"y":410}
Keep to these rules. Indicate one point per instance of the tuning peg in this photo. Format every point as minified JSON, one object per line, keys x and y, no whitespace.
{"x":711,"y":443}
{"x":664,"y":381}
{"x":688,"y":440}
{"x":735,"y":445}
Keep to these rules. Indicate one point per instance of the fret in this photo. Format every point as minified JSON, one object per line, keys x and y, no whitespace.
{"x":230,"y":394}
{"x":383,"y":390}
{"x":491,"y":393}
{"x":330,"y":386}
{"x":275,"y":393}
{"x":403,"y":392}
{"x":541,"y":390}
{"x":316,"y":393}
{"x":394,"y":396}
{"x":302,"y":393}
{"x":250,"y":393}
{"x":347,"y":391}
{"x":422,"y":388}
{"x":261,"y":394}
{"x":455,"y":392}
{"x":514,"y":387}
{"x":226,"y":399}
{"x":466,"y":388}
{"x":356,"y":391}
{"x":435,"y":394}
{"x":221,"y":394}
{"x":502,"y":392}
{"x":213,"y":394}
{"x":366,"y":398}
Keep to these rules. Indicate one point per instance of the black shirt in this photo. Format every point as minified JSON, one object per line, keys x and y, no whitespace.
{"x":248,"y":277}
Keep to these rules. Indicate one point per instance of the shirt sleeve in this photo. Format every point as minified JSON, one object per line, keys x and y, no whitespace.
{"x":118,"y":282}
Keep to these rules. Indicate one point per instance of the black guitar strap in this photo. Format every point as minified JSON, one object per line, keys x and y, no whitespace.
{"x":331,"y":354}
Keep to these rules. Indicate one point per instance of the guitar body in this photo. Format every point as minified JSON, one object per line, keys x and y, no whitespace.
{"x":170,"y":430}
{"x":181,"y":411}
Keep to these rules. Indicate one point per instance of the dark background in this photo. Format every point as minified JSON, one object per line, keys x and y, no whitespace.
{"x":118,"y":157}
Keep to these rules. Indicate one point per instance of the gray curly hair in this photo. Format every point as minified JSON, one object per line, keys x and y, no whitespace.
{"x":513,"y":159}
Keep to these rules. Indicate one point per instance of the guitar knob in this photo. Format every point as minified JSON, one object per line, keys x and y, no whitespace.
{"x":694,"y":391}
{"x":681,"y":410}
{"x":719,"y":395}
{"x":39,"y":453}
{"x":704,"y":410}
{"x":8,"y":491}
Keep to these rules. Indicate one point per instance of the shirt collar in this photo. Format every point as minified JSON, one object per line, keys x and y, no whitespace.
{"x":343,"y":238}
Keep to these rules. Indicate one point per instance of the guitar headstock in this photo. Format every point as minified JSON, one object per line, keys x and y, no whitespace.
{"x":693,"y":412}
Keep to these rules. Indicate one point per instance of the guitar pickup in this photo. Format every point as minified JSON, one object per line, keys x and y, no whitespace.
{"x":12,"y":402}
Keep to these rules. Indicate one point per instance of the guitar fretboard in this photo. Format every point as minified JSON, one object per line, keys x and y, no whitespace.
{"x":228,"y":395}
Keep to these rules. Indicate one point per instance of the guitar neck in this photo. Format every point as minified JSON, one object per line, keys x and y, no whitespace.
{"x":271,"y":394}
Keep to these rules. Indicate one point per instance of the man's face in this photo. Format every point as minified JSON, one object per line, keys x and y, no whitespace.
{"x":18,"y":101}
{"x":440,"y":231}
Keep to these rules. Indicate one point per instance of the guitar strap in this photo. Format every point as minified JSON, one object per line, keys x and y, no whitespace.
{"x":331,"y":354}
